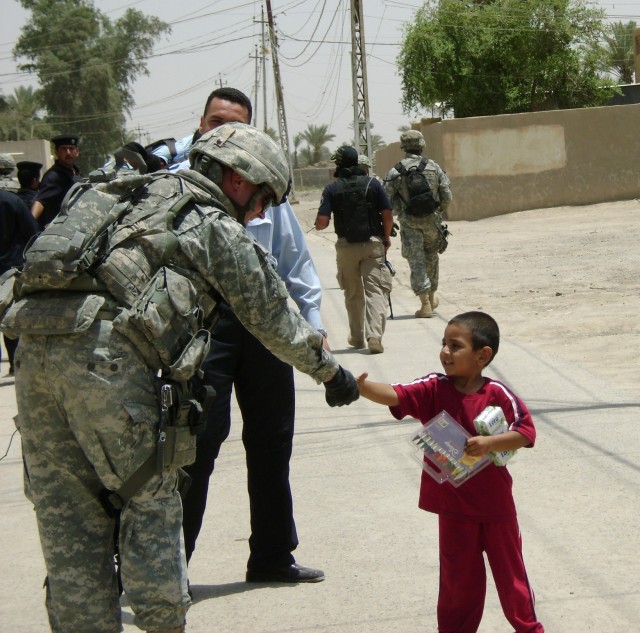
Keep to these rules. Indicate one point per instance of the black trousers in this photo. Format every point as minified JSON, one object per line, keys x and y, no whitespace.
{"x":11,"y":344}
{"x":265,"y":392}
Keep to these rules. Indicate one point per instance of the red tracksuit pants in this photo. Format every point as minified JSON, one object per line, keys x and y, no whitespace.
{"x":463,"y":577}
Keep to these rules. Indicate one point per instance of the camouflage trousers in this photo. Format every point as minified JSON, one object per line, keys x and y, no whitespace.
{"x":88,"y":416}
{"x":420,"y":241}
{"x":366,"y":283}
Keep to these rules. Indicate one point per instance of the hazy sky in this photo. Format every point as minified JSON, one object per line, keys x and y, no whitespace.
{"x":213,"y":42}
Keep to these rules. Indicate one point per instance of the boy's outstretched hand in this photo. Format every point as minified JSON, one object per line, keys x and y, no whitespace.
{"x":361,"y":379}
{"x":376,"y":391}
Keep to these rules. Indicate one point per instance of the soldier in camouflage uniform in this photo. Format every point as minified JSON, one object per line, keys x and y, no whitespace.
{"x":88,"y":406}
{"x":421,"y":237}
{"x":7,"y":167}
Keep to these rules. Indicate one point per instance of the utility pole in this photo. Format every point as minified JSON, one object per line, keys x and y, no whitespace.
{"x":264,"y":74}
{"x":361,"y":123}
{"x":255,"y":87}
{"x":282,"y":119}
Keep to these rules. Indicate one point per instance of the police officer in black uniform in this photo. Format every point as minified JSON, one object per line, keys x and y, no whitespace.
{"x":29,"y":179}
{"x":17,"y":226}
{"x":57,"y":180}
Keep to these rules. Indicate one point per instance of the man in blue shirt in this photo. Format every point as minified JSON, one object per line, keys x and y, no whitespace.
{"x":264,"y":389}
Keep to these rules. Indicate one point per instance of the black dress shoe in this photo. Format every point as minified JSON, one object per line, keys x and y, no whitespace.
{"x":293,"y":573}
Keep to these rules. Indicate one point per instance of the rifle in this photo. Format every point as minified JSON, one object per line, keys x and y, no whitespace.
{"x":392,"y":272}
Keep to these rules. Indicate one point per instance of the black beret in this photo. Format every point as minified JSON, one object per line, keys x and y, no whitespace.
{"x":65,"y":139}
{"x":29,"y":165}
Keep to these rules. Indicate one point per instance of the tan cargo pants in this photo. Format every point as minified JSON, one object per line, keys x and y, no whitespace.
{"x":366,"y":283}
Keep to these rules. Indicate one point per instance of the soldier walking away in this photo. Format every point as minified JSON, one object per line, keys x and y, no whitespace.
{"x":108,"y":345}
{"x":363,"y":221}
{"x":420,"y":194}
{"x":57,"y":180}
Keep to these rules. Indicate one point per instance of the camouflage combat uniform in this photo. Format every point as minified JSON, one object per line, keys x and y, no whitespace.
{"x":8,"y":180}
{"x":419,"y":236}
{"x":88,"y":417}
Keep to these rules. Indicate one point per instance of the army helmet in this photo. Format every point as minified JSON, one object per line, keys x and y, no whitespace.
{"x":412,"y":140}
{"x":345,"y":156}
{"x":364,"y":161}
{"x":247,"y":151}
{"x":7,"y":164}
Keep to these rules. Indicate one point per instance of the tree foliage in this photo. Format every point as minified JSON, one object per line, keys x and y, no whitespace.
{"x":86,"y":65}
{"x":503,"y":56}
{"x":21,"y":116}
{"x":316,"y":137}
{"x":619,"y":48}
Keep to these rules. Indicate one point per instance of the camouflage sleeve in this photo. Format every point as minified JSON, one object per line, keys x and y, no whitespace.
{"x":444,"y":189}
{"x":391,"y":184}
{"x":237,"y":266}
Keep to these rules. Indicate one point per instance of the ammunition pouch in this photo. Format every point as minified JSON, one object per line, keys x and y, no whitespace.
{"x":50,"y":313}
{"x":165,"y":323}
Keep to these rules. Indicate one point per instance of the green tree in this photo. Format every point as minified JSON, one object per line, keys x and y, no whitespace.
{"x":316,"y":137}
{"x":21,"y":117}
{"x":619,"y":48}
{"x":503,"y":56}
{"x":297,"y":139}
{"x":86,"y":65}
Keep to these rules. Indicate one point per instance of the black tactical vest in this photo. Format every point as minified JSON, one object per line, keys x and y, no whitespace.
{"x":356,"y":216}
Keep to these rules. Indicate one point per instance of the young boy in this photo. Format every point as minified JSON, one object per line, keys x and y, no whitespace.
{"x":480,"y":515}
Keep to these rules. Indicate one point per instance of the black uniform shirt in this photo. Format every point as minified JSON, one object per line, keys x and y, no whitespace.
{"x":53,"y":188}
{"x":17,"y":226}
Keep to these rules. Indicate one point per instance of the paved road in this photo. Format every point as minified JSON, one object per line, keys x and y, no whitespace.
{"x":356,"y":490}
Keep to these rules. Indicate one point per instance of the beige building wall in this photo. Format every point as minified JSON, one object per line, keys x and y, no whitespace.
{"x":636,"y":53}
{"x":38,"y":151}
{"x":515,"y":162}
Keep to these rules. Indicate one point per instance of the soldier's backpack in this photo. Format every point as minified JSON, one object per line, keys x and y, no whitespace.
{"x":355,"y":216}
{"x":114,"y":240}
{"x":421,"y":200}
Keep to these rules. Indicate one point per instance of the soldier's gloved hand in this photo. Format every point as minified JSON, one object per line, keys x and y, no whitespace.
{"x":341,"y":389}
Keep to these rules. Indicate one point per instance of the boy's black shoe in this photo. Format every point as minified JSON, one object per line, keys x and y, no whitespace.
{"x":293,"y":573}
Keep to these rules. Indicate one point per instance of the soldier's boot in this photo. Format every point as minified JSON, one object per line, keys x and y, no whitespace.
{"x":425,"y":311}
{"x":433,"y":299}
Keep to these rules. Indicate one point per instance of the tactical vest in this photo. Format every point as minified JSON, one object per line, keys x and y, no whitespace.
{"x":108,"y":254}
{"x":356,"y":216}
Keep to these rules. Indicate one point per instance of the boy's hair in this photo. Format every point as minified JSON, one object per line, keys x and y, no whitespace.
{"x":484,"y":330}
{"x":230,"y":94}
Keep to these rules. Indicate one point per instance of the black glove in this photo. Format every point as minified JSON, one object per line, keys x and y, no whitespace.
{"x":341,"y":389}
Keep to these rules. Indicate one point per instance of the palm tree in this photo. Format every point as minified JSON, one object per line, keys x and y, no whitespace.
{"x":619,"y":47}
{"x":297,"y":139}
{"x":316,"y":136}
{"x":20,"y":116}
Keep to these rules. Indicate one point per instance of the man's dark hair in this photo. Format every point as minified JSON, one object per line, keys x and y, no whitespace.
{"x":230,"y":94}
{"x":25,"y":177}
{"x":484,"y":330}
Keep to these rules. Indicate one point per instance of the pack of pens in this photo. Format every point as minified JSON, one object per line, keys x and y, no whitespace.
{"x":439,"y":447}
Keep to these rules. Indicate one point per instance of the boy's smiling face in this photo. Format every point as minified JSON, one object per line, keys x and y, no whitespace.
{"x":457,"y":356}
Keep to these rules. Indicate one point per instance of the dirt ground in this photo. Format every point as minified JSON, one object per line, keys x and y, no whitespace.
{"x":565,"y":280}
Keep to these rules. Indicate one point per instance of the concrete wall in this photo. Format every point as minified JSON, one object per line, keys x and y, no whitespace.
{"x":535,"y":160}
{"x":316,"y":177}
{"x":38,"y":151}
